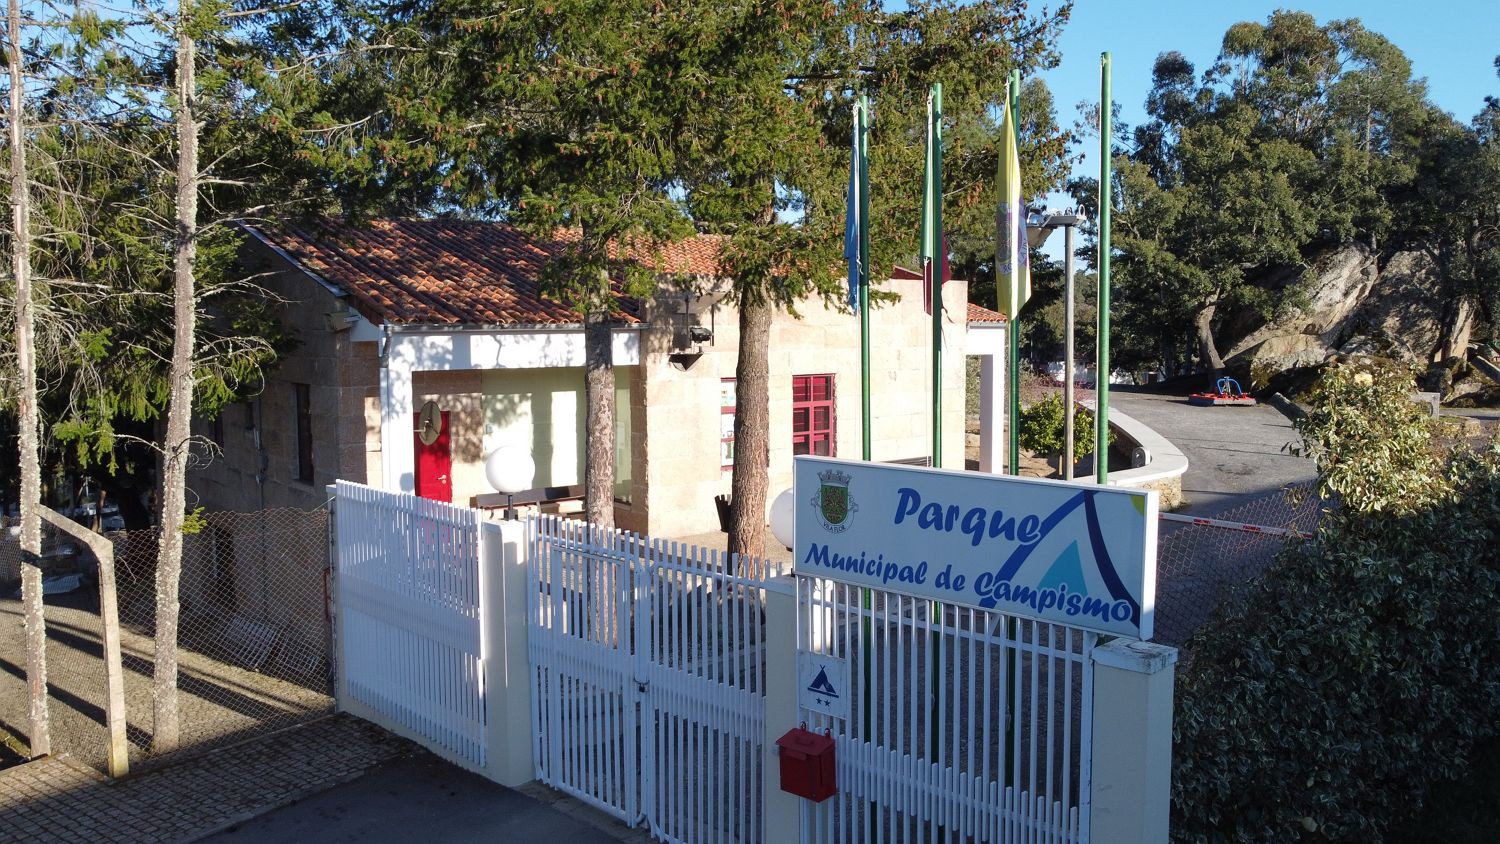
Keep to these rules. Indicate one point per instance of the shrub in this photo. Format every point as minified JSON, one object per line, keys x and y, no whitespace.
{"x":1358,"y":673}
{"x":1042,"y":426}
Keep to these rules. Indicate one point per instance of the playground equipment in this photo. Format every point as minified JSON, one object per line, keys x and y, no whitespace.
{"x":1227,"y":393}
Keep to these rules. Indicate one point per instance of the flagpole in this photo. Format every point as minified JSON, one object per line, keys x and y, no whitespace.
{"x":1013,"y":328}
{"x":862,"y":173}
{"x":935,"y":134}
{"x":1101,"y":369}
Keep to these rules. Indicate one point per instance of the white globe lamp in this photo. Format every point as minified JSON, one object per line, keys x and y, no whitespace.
{"x":510,"y":470}
{"x":784,"y":518}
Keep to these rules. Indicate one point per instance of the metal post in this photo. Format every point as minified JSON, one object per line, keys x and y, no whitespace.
{"x":1101,"y":370}
{"x":1013,"y":327}
{"x":936,"y":274}
{"x":1068,"y":316}
{"x":861,"y":115}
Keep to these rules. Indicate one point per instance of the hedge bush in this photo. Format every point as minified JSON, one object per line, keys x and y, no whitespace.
{"x":1042,"y":426}
{"x":1360,"y":671}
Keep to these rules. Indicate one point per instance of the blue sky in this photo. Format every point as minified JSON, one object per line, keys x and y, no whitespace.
{"x":1453,"y":43}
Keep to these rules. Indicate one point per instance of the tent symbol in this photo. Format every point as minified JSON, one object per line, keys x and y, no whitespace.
{"x":821,"y":686}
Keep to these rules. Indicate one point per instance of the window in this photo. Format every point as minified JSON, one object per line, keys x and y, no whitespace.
{"x":726,"y":423}
{"x":812,"y":415}
{"x":302,"y":401}
{"x":216,"y":429}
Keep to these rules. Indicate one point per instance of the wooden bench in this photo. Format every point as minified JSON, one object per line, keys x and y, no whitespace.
{"x":547,"y":499}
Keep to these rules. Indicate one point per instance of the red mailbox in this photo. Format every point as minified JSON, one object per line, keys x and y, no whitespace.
{"x":807,"y":764}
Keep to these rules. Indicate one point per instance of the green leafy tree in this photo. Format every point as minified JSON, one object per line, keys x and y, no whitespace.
{"x":1452,"y":214}
{"x":564,"y":116}
{"x":1299,"y":138}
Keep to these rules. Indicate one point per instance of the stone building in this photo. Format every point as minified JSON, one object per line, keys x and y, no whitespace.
{"x":400,"y":314}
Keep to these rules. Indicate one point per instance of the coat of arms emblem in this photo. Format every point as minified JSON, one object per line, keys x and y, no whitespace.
{"x":834,"y":504}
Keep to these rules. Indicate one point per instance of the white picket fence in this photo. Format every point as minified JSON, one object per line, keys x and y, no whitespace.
{"x":648,"y":673}
{"x":411,"y":602}
{"x":965,"y":725}
{"x":648,"y":667}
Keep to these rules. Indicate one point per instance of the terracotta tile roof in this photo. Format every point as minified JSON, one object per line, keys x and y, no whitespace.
{"x":981,"y":314}
{"x":454,"y":272}
{"x":977,"y":313}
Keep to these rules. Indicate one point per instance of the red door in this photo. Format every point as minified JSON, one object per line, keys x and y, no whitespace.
{"x":434,"y":464}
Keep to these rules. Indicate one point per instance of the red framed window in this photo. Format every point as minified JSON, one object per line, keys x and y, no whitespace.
{"x":812,"y":415}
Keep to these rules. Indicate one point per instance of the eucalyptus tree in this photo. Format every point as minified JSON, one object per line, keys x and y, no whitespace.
{"x":1300,"y":137}
{"x":1452,"y":214}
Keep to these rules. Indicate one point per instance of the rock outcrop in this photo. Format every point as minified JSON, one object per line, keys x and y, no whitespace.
{"x":1355,"y":306}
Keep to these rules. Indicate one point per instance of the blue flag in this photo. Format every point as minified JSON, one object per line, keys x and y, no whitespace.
{"x":857,"y":200}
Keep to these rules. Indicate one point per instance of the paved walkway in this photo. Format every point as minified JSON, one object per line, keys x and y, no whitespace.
{"x":62,"y":800}
{"x":1234,"y":454}
{"x":423,"y":797}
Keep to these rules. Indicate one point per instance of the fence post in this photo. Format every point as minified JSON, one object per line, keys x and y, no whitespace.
{"x":507,"y":671}
{"x":1131,"y":781}
{"x":117,"y":753}
{"x":782,"y":812}
{"x":335,"y":606}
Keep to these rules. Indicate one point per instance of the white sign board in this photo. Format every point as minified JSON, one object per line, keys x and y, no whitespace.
{"x":823,"y":684}
{"x":1079,"y":555}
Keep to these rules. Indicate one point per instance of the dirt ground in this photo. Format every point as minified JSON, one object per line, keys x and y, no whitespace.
{"x":220,"y":703}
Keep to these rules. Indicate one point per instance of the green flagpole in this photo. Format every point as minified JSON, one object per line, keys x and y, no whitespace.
{"x":936,"y":189}
{"x":1013,"y":328}
{"x":863,"y":175}
{"x":1101,"y":369}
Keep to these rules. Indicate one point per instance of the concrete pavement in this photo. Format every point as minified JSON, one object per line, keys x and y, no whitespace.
{"x":416,"y":798}
{"x":1233,"y":453}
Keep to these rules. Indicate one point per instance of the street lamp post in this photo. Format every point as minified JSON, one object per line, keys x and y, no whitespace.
{"x":1037,"y":234}
{"x":1069,"y":222}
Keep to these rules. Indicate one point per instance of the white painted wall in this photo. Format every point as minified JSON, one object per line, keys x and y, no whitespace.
{"x":408,"y":352}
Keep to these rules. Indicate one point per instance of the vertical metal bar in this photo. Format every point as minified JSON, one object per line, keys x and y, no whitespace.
{"x":1069,"y":315}
{"x":1086,"y":736}
{"x":1101,"y":371}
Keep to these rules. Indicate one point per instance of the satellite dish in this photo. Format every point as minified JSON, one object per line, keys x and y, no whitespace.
{"x":429,"y":423}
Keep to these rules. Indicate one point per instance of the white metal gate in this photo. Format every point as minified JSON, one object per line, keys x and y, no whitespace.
{"x":410,"y":608}
{"x":965,"y":725}
{"x":648,"y":678}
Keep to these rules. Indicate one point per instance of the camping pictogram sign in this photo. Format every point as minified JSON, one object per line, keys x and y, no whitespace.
{"x":823,"y":684}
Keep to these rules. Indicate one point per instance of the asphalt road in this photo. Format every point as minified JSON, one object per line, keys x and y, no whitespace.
{"x":419,"y":799}
{"x":1233,"y":453}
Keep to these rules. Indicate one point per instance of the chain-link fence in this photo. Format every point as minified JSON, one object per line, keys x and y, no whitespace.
{"x":1198,"y":565}
{"x":254,"y":635}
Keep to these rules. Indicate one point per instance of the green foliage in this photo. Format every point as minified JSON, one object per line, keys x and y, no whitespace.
{"x":1370,"y":442}
{"x":1043,"y":424}
{"x":1299,"y":138}
{"x":1332,"y":697}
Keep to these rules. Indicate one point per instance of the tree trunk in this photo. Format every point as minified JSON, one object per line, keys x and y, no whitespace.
{"x":1458,"y":323}
{"x":752,"y":423}
{"x":599,"y":393}
{"x":30,"y":456}
{"x":166,"y":730}
{"x":1208,"y":350}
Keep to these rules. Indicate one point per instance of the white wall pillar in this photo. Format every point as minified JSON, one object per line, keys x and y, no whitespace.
{"x":781,"y":812}
{"x":507,"y":675}
{"x":986,"y":341}
{"x":991,"y":413}
{"x":1131,"y":781}
{"x":398,"y":454}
